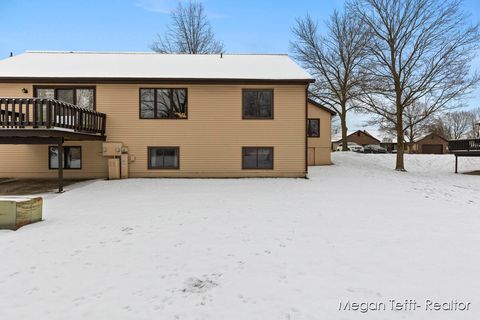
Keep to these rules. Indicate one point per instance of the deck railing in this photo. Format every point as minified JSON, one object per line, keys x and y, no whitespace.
{"x":38,"y":113}
{"x":467,"y":145}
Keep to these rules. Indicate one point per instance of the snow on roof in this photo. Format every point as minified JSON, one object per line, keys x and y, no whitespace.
{"x":151,"y":65}
{"x":426,"y":135}
{"x":338,"y":136}
{"x":383,"y":136}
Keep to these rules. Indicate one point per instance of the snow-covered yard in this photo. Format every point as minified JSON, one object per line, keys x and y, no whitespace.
{"x":252,"y":248}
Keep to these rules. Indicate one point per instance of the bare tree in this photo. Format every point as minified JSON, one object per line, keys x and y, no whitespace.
{"x":454,"y":125}
{"x":189,"y":32}
{"x":459,"y":122}
{"x":440,"y":127}
{"x":474,"y":124}
{"x":416,"y":122}
{"x":420,"y":55}
{"x":334,"y":60}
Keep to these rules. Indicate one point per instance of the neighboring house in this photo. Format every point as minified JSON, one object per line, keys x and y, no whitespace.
{"x":319,"y":132}
{"x":431,"y":144}
{"x":361,"y":137}
{"x":177,"y":115}
{"x":389,"y":144}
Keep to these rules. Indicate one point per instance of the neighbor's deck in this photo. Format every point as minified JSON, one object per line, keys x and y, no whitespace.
{"x":464,"y":148}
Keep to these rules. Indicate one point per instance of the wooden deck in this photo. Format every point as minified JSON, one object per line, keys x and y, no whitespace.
{"x":48,"y":121}
{"x":34,"y":117}
{"x":464,"y":148}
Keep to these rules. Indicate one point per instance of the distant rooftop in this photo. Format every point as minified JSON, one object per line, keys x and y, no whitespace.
{"x":151,"y":65}
{"x":337,"y":137}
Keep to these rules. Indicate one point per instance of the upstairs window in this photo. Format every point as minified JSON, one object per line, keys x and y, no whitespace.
{"x":258,"y":104}
{"x":313,"y":128}
{"x":82,"y":97}
{"x":163,"y":104}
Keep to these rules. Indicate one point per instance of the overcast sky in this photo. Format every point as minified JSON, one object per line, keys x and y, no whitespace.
{"x":247,"y":26}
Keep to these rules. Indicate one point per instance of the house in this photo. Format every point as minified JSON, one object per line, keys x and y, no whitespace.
{"x":431,"y":144}
{"x":428,"y":144}
{"x":390,"y":144}
{"x":319,"y":132}
{"x":361,"y":137}
{"x":174,"y":115}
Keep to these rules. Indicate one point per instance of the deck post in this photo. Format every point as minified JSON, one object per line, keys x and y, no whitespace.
{"x":60,"y":165}
{"x":456,"y":164}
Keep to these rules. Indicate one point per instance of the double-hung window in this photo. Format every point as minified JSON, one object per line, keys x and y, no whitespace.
{"x":163,"y":103}
{"x":313,"y":128}
{"x":257,"y":104}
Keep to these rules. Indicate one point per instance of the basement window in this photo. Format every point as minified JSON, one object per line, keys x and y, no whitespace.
{"x":163,"y":157}
{"x":313,"y":128}
{"x":257,"y":158}
{"x":257,"y":104}
{"x":72,"y":157}
{"x":163,"y":104}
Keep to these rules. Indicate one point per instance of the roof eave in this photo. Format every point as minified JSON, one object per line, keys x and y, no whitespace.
{"x":318,"y":105}
{"x":151,"y":80}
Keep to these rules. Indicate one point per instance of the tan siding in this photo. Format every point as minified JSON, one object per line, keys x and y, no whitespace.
{"x":210,"y":140}
{"x":430,"y":139}
{"x":320,"y":147}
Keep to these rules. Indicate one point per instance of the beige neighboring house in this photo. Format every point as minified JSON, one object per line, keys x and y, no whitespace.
{"x":361,"y":137}
{"x":428,"y":144}
{"x":319,"y":131}
{"x":431,"y":144}
{"x":174,"y":115}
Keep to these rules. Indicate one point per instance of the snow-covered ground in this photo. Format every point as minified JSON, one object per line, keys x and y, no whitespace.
{"x":252,"y":248}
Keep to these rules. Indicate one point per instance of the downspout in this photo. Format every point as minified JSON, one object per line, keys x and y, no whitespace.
{"x":305,"y":133}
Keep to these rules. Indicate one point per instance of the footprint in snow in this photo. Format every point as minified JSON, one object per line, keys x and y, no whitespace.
{"x":197,"y":285}
{"x":127,"y":230}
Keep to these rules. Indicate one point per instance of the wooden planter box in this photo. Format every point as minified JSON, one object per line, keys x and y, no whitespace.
{"x":16,"y":212}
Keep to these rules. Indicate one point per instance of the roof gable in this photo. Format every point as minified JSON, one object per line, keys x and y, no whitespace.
{"x":367,"y":134}
{"x":338,"y":138}
{"x":430,"y":135}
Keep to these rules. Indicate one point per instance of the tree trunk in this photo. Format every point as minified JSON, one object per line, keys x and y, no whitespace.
{"x":400,"y":166}
{"x":410,"y":142}
{"x":410,"y":147}
{"x":343,"y":121}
